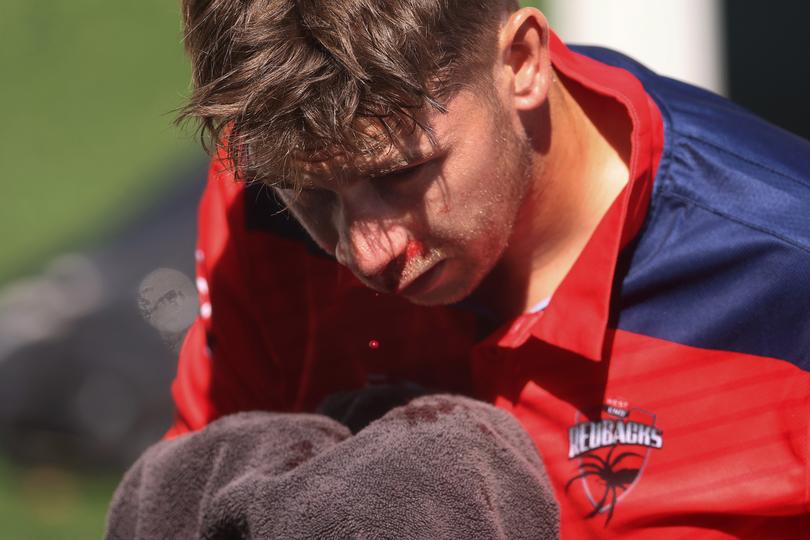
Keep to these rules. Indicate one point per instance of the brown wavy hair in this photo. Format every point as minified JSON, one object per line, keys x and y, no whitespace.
{"x":275,"y":81}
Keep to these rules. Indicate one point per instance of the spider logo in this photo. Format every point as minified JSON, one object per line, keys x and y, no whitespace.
{"x":612,"y":479}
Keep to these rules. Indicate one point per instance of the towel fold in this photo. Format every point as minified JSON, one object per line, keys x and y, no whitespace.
{"x":439,"y":467}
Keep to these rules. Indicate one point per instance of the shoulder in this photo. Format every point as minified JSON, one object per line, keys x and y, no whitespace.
{"x":250,"y":212}
{"x":254,"y":254}
{"x":723,"y":158}
{"x":727,"y":161}
{"x":722,"y":260}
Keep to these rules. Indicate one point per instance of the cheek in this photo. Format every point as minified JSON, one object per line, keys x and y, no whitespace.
{"x":476,"y":206}
{"x":466,"y":219}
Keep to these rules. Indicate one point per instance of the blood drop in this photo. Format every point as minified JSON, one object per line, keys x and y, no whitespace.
{"x":415,"y":248}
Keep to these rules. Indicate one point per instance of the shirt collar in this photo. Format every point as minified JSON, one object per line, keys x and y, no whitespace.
{"x":576,"y":318}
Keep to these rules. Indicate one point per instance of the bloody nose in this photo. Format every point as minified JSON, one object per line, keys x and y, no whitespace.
{"x":368,"y":248}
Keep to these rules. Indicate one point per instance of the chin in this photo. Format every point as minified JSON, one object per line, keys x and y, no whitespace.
{"x":447,"y":294}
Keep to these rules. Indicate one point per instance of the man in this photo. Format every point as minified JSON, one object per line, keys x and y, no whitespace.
{"x":617,"y":259}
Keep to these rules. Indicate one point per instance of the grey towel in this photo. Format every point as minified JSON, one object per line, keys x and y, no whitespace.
{"x":440,"y":467}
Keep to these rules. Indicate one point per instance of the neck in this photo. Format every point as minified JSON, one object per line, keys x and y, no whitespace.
{"x":577,"y":176}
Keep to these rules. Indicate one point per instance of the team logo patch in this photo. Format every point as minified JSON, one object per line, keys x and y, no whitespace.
{"x":610,"y":453}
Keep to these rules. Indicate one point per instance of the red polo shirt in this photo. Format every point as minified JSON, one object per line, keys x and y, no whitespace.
{"x":642,"y":437}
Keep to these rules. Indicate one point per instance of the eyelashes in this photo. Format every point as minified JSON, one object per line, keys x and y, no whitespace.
{"x":400,"y":175}
{"x":392,"y":179}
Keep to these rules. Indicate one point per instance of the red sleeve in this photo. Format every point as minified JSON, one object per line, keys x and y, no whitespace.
{"x":281,"y":326}
{"x":226,"y":363}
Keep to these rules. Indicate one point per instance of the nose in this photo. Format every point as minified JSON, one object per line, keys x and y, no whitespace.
{"x":368,"y":247}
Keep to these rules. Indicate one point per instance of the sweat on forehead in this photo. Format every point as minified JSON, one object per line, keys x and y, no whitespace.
{"x":414,"y":148}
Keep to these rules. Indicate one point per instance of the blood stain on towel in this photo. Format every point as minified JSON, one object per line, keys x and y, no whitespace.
{"x":331,"y":433}
{"x":483,"y":428}
{"x":298,"y":453}
{"x":428,"y":413}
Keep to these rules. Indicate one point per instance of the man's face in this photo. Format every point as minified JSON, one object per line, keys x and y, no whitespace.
{"x":424,"y":221}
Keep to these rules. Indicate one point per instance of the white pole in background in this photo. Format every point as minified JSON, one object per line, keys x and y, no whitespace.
{"x":683,"y":39}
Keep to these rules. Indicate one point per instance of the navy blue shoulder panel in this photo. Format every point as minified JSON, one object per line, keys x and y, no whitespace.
{"x":723,"y":261}
{"x":725,"y":158}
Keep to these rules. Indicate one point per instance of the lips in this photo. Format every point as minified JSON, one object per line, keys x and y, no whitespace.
{"x":424,"y":282}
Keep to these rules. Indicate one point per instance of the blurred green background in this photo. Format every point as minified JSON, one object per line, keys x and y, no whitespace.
{"x":88,"y":91}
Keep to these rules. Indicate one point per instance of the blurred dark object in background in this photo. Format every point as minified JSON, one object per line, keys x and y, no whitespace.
{"x":84,"y":377}
{"x":767,"y":69}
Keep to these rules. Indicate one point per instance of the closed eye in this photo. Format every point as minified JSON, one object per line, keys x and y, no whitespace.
{"x":399,"y":175}
{"x":403,"y":174}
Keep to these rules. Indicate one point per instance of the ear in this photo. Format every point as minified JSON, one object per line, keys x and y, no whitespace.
{"x":526,"y":58}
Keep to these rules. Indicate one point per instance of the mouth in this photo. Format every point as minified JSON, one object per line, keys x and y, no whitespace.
{"x":423,"y":282}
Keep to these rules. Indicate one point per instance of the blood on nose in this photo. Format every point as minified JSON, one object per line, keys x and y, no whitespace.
{"x":414,"y":249}
{"x":374,"y":247}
